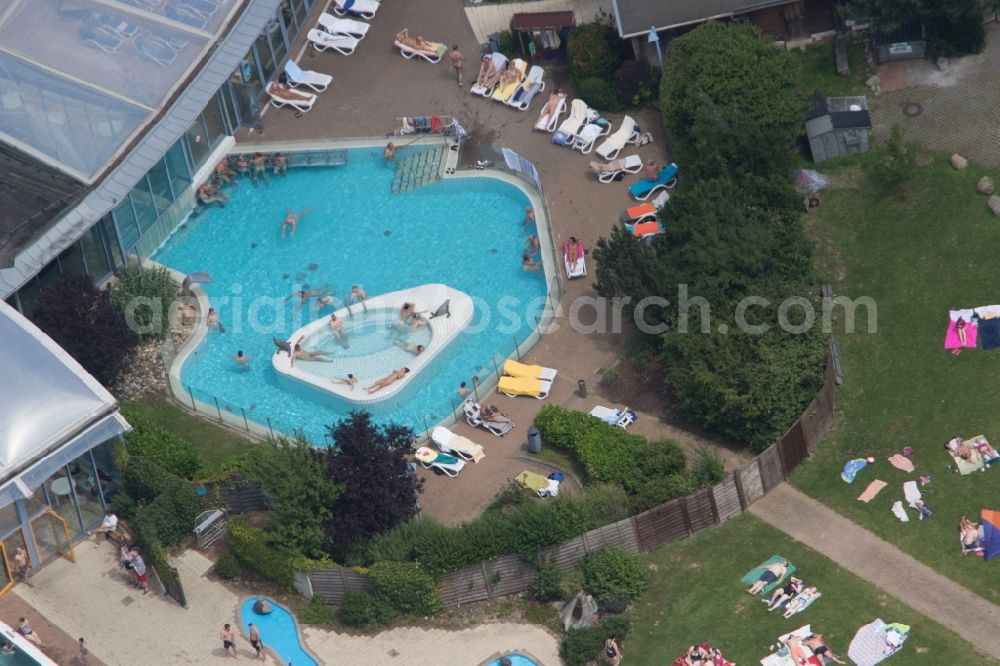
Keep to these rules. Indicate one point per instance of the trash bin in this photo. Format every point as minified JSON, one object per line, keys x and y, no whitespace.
{"x":534,"y":440}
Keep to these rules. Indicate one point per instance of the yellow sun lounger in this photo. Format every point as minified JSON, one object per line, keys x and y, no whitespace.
{"x":504,"y":92}
{"x":513,"y":386}
{"x":514,"y":369}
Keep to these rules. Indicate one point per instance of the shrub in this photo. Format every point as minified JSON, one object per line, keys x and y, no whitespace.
{"x":398,"y":544}
{"x":82,"y":320}
{"x":536,"y":526}
{"x":592,"y":50}
{"x":581,"y":646}
{"x":887,"y":171}
{"x":145,"y":295}
{"x":122,"y":505}
{"x":613,"y":603}
{"x":618,"y":626}
{"x":606,"y":503}
{"x":317,"y":612}
{"x":508,"y":43}
{"x":600,"y":94}
{"x":154,"y":442}
{"x":636,"y":83}
{"x":613,"y":571}
{"x":708,"y":468}
{"x":656,"y":491}
{"x":406,"y":587}
{"x":172,"y":514}
{"x":152,"y":552}
{"x":548,"y":585}
{"x":228,"y":566}
{"x":447,"y":549}
{"x":145,"y":480}
{"x":364,"y":610}
{"x":250,"y":545}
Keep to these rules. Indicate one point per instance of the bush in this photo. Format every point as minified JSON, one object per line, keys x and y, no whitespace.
{"x":592,"y":50}
{"x":708,"y":468}
{"x":610,"y":604}
{"x":82,"y":320}
{"x":144,"y":480}
{"x":581,"y":646}
{"x":364,"y":610}
{"x":636,"y":83}
{"x":250,"y":545}
{"x":172,"y":514}
{"x":317,"y":612}
{"x":154,"y":442}
{"x":508,"y":43}
{"x":406,"y":587}
{"x":228,"y":566}
{"x":398,"y":544}
{"x":887,"y":171}
{"x":548,"y":585}
{"x":122,"y":506}
{"x":145,"y":295}
{"x":613,"y":571}
{"x":600,"y":94}
{"x":606,"y":503}
{"x":656,"y":491}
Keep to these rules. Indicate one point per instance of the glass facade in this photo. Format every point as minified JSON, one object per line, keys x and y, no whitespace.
{"x":104,"y":248}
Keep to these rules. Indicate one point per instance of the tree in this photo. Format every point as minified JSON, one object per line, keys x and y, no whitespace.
{"x":81,"y":320}
{"x":592,"y":51}
{"x":954,"y":27}
{"x":378,"y":490}
{"x":889,"y":170}
{"x":294,"y":476}
{"x":727,"y":102}
{"x":145,"y":295}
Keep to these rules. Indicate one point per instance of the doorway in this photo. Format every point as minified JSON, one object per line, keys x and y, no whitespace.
{"x":52,"y":536}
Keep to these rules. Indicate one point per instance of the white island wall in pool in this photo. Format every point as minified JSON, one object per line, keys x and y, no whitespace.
{"x":456,"y":310}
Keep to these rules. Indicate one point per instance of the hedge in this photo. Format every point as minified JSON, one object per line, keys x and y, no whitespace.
{"x":154,"y":442}
{"x":144,"y":480}
{"x":613,"y":571}
{"x":173,"y":513}
{"x":250,"y":545}
{"x":592,"y":51}
{"x":406,"y":587}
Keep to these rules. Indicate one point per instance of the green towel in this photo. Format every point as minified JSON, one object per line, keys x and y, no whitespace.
{"x":750,"y":577}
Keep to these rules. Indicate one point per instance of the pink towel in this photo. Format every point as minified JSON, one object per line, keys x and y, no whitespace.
{"x":871,"y":491}
{"x":951,"y":337}
{"x":568,"y":250}
{"x":901,"y":462}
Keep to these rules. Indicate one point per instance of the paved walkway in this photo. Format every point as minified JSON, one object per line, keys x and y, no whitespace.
{"x":89,"y":598}
{"x":882,"y":564}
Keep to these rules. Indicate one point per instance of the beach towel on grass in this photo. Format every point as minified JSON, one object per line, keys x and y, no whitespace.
{"x":872,"y":490}
{"x":750,"y":577}
{"x":966,"y":466}
{"x":989,"y":334}
{"x":911,"y":493}
{"x":851,"y":469}
{"x":901,"y":462}
{"x":871,"y":645}
{"x":900,"y":512}
{"x":810,"y":599}
{"x":951,"y":336}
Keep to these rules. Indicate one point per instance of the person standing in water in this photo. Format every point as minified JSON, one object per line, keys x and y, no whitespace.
{"x":259,"y":163}
{"x":358,"y":295}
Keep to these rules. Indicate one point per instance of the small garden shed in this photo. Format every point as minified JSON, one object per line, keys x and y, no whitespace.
{"x":838,"y":126}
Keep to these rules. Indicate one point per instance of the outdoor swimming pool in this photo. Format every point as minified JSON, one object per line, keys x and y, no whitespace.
{"x":466,"y":233}
{"x":516,"y":659}
{"x":277,"y":631}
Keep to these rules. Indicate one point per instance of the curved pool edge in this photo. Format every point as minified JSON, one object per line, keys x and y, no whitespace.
{"x":507,"y":653}
{"x":298,"y":628}
{"x":550,"y":268}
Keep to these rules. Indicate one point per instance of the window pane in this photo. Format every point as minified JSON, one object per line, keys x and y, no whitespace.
{"x":277,"y":40}
{"x":142,"y":201}
{"x":300,"y":10}
{"x":71,"y":260}
{"x":112,"y":235}
{"x":125,"y":221}
{"x":225,"y":94}
{"x":85,"y":491}
{"x":61,"y":489}
{"x":264,"y":56}
{"x":107,"y":474}
{"x":49,"y":274}
{"x":12,"y":300}
{"x":159,"y":185}
{"x":197,"y":143}
{"x":177,"y":166}
{"x":213,"y":119}
{"x":286,"y":17}
{"x":8,"y":519}
{"x":28,"y":295}
{"x":93,"y":251}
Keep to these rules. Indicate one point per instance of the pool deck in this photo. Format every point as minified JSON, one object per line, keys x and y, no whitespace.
{"x":375,"y":86}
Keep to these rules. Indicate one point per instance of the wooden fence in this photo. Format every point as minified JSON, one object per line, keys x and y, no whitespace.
{"x":671,"y":521}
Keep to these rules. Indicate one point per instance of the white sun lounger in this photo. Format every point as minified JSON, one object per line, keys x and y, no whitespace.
{"x":342,"y":44}
{"x":578,"y":112}
{"x":626,"y":134}
{"x":430,"y":459}
{"x":457,"y":445}
{"x":498,"y":60}
{"x":609,"y":172}
{"x":343,"y":26}
{"x":590,"y":133}
{"x":300,"y":105}
{"x":473,"y":416}
{"x":622,"y":418}
{"x":364,"y":8}
{"x":432,"y":57}
{"x":580,"y":270}
{"x":547,"y":122}
{"x":305,"y":77}
{"x":531,"y":86}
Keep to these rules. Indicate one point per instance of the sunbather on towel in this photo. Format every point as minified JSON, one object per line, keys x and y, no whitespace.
{"x":783,"y":594}
{"x":771,"y":574}
{"x":969,"y":533}
{"x":491,"y":414}
{"x":281,"y":91}
{"x":509,"y":74}
{"x":554,"y":99}
{"x":418,"y":43}
{"x":986,"y":451}
{"x":803,"y":599}
{"x":486,"y":72}
{"x":820,"y":649}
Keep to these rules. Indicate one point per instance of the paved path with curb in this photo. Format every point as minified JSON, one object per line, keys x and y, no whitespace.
{"x":882,"y":564}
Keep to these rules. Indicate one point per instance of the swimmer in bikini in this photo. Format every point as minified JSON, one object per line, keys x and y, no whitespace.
{"x":393,"y":376}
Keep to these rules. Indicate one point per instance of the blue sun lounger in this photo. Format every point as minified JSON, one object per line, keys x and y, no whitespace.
{"x":646,"y":188}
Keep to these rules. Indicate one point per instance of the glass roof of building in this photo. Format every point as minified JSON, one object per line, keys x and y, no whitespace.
{"x":79,"y":77}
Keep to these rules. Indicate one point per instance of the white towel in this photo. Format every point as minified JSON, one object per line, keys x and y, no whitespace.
{"x":911,"y":493}
{"x":965,"y":313}
{"x":900,"y":512}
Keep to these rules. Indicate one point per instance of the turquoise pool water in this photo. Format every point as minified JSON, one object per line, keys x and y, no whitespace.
{"x":466,"y":233}
{"x":515,"y":660}
{"x":277,"y":631}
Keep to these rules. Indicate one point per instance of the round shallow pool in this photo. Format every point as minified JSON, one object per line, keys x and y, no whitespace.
{"x":463,"y":232}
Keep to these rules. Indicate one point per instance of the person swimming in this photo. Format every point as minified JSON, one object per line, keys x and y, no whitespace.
{"x":242,"y":360}
{"x":529,"y":264}
{"x":305,"y":294}
{"x":414,"y":349}
{"x":336,"y":325}
{"x":389,"y":153}
{"x":358,"y":295}
{"x":280,"y":164}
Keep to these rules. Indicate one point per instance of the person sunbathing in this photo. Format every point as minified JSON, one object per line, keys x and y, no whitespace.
{"x":771,"y":574}
{"x":492,"y":414}
{"x":209,"y":194}
{"x":820,"y":649}
{"x":783,"y":594}
{"x":486,"y":70}
{"x":316,"y":355}
{"x":555,"y":98}
{"x":286,"y":93}
{"x":803,"y":599}
{"x":575,"y":252}
{"x":969,"y":534}
{"x":393,"y":376}
{"x":509,"y":75}
{"x":418,"y":43}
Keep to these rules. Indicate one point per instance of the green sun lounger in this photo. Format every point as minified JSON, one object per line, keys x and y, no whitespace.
{"x":750,"y":577}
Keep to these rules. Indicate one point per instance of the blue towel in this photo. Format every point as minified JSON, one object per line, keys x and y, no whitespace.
{"x":852,"y":468}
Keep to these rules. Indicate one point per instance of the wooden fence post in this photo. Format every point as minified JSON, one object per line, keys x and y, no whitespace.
{"x":740,"y":492}
{"x":486,"y":580}
{"x":635,"y":533}
{"x":715,"y":507}
{"x":685,"y":516}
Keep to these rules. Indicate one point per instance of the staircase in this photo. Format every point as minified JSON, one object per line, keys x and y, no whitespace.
{"x":419,"y":169}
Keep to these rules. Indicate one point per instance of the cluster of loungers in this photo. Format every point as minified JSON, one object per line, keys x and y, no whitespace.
{"x":508,"y":82}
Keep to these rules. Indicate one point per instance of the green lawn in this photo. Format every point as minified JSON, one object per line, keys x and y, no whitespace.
{"x":695,"y":595}
{"x":916,"y":258}
{"x":216,"y":444}
{"x":818,"y":70}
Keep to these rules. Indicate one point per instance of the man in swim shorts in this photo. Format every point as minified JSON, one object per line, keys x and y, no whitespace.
{"x":771,"y":574}
{"x":228,"y":637}
{"x":255,"y":641}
